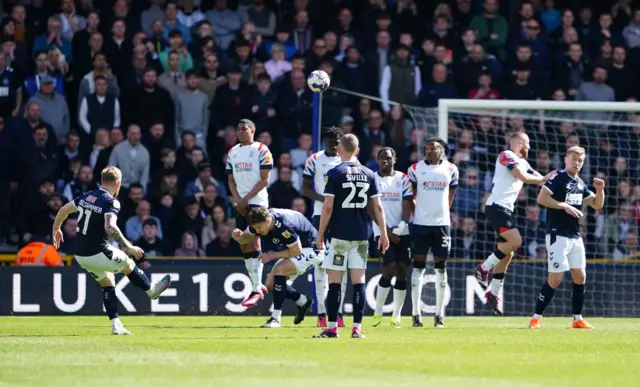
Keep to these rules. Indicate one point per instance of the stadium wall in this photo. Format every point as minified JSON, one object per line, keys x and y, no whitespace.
{"x":217,"y":288}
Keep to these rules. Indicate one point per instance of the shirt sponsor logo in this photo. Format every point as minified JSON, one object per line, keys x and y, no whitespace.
{"x":433,"y":185}
{"x":243,"y":166}
{"x":391,"y":196}
{"x":574,"y":199}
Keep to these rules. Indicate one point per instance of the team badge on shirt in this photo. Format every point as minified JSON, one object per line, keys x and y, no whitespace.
{"x":286,"y":234}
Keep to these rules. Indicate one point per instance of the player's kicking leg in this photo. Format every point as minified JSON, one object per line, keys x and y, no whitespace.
{"x":564,"y":254}
{"x":98,"y":265}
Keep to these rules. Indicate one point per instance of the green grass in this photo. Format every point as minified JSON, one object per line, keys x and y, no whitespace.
{"x":230,"y":352}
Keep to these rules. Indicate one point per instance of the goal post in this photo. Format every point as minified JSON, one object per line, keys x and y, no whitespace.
{"x":477,"y":131}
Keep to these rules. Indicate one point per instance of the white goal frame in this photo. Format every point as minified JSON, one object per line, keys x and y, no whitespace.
{"x":447,"y":105}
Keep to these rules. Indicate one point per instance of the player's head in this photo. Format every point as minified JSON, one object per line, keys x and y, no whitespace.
{"x":386,"y":160}
{"x":110,"y":179}
{"x":434,"y":150}
{"x":245,"y":131}
{"x":260,"y":219}
{"x":519,"y":143}
{"x":332,"y":136}
{"x":348,"y":147}
{"x":574,"y":160}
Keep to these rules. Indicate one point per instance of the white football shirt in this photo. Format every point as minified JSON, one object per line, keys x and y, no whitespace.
{"x":393,"y":190}
{"x":316,"y":168}
{"x":431,"y":185}
{"x":506,"y":187}
{"x":245,"y":163}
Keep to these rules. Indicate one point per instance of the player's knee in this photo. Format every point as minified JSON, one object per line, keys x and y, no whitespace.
{"x":269,"y":282}
{"x":389,"y":270}
{"x":401,"y":272}
{"x":130,"y":266}
{"x":514,"y":242}
{"x":419,"y":264}
{"x":554,"y":279}
{"x":578,"y":276}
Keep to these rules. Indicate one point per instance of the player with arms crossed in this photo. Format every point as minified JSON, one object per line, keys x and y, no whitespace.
{"x":511,"y":172}
{"x":563,"y":196}
{"x":434,"y":181}
{"x":97,"y":222}
{"x":248,"y":167}
{"x":314,"y":175}
{"x":350,"y":190}
{"x":397,"y":201}
{"x":292,"y":231}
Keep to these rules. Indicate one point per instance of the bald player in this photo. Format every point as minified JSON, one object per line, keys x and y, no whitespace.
{"x":511,"y":173}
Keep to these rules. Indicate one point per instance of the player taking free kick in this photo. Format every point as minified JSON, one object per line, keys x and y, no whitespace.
{"x":563,"y":196}
{"x":248,"y":167}
{"x":97,"y":222}
{"x":511,"y":172}
{"x":289,"y":237}
{"x":350,"y":190}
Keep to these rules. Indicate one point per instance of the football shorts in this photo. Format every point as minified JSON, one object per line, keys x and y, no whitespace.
{"x":565,"y":253}
{"x":436,"y":239}
{"x":304,"y":262}
{"x":397,"y":252}
{"x":501,"y":220}
{"x":112,"y":260}
{"x":342,"y":255}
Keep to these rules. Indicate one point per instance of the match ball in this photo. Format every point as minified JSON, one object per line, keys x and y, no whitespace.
{"x":318,"y":81}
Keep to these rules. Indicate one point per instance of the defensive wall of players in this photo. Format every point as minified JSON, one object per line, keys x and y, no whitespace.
{"x":218,"y":286}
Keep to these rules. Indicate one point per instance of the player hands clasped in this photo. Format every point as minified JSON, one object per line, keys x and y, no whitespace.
{"x":315,"y":173}
{"x":563,"y":196}
{"x":289,"y":237}
{"x":434,"y":181}
{"x":511,"y":172}
{"x":349,"y":192}
{"x":248,"y":167}
{"x":97,"y":222}
{"x":397,"y":201}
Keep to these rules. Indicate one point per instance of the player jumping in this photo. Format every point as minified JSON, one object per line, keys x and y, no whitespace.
{"x":397,"y":201}
{"x":434,"y":181}
{"x":511,"y":172}
{"x":293,"y":231}
{"x":248,"y":167}
{"x":97,"y":222}
{"x":350,"y":190}
{"x":315,"y":172}
{"x":563,"y":196}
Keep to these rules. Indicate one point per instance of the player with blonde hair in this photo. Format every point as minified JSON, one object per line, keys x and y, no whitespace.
{"x":97,"y":223}
{"x":563,"y":196}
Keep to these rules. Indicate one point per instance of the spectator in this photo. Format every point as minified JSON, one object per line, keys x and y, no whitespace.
{"x":100,"y":69}
{"x":134,"y":225}
{"x":155,"y":143}
{"x":263,"y":103}
{"x":69,"y":230}
{"x":282,"y":191}
{"x":627,"y":248}
{"x":300,"y":205}
{"x":226,"y":23}
{"x":440,"y":88}
{"x":210,"y":76}
{"x":178,"y":44}
{"x":189,"y":246}
{"x":132,"y":158}
{"x":101,"y":142}
{"x":521,"y":88}
{"x":116,"y":136}
{"x":204,"y":178}
{"x":223,"y":245}
{"x":70,"y":21}
{"x":150,"y":242}
{"x":484,"y":90}
{"x":300,"y":154}
{"x":616,"y":227}
{"x":191,"y":219}
{"x":210,"y":198}
{"x":173,"y":79}
{"x":32,"y":82}
{"x":406,"y":91}
{"x":468,"y":243}
{"x":53,"y":107}
{"x":534,"y":232}
{"x":81,"y":184}
{"x":283,"y":38}
{"x":231,"y":100}
{"x":631,"y":33}
{"x":99,"y":109}
{"x":262,"y":17}
{"x":294,"y":102}
{"x":171,"y":23}
{"x":189,"y":15}
{"x":467,"y":199}
{"x":284,"y":160}
{"x":53,"y":38}
{"x":620,"y":76}
{"x":151,"y":14}
{"x":597,"y":90}
{"x":277,"y":66}
{"x":157,"y":38}
{"x":492,"y":28}
{"x":118,"y":48}
{"x":192,"y":111}
{"x":217,"y":216}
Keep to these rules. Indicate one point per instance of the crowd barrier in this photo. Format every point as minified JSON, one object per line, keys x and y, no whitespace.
{"x":207,"y":287}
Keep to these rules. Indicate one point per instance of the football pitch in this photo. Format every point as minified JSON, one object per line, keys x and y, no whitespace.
{"x":231,"y":351}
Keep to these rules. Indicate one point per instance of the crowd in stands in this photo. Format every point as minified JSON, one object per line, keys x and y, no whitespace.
{"x":156,"y":88}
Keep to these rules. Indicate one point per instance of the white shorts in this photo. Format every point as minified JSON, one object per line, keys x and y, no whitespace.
{"x":304,"y":261}
{"x":114,"y":261}
{"x":565,"y":253}
{"x":342,"y":255}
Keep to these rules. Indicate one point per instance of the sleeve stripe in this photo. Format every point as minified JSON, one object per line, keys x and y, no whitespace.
{"x":328,"y":194}
{"x":260,"y":146}
{"x":548,"y":189}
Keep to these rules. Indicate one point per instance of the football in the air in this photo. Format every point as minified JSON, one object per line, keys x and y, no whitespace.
{"x":318,"y":81}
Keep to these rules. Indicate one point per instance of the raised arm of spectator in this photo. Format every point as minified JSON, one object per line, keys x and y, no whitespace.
{"x":83,"y":114}
{"x":385,"y":83}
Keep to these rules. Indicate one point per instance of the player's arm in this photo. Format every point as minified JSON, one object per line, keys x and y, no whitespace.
{"x":233,"y":187}
{"x":247,"y":236}
{"x":112,"y":229}
{"x":453,"y":185}
{"x":294,"y":249}
{"x":327,"y":210}
{"x":595,"y":201}
{"x":63,"y":214}
{"x":307,"y":180}
{"x":545,"y":198}
{"x":528,"y":177}
{"x":378,"y":213}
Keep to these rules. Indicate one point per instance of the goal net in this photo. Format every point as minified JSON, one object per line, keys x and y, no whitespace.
{"x":477,"y":132}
